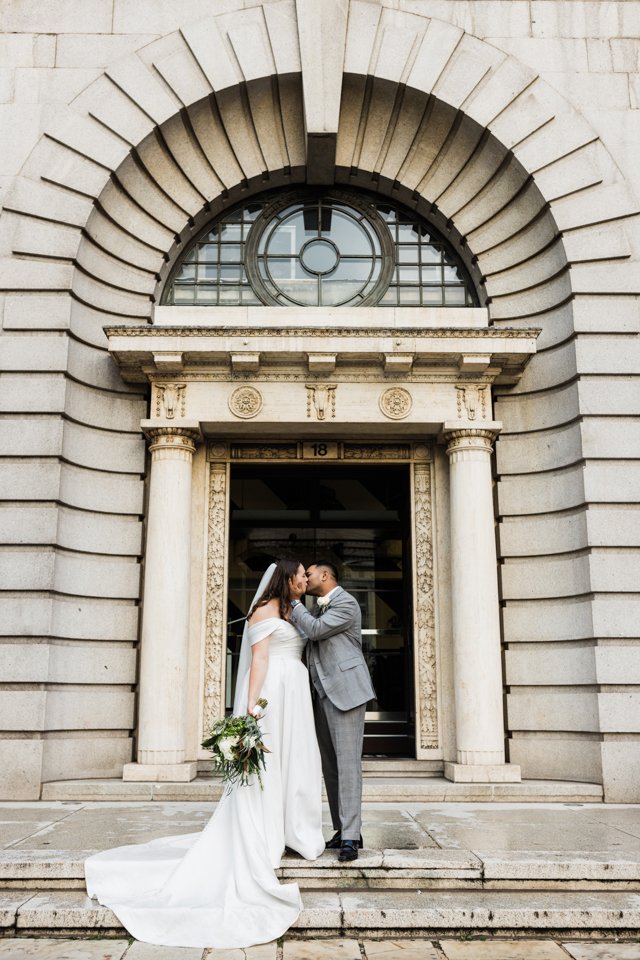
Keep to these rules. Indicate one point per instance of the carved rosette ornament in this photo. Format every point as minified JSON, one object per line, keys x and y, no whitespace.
{"x":424,"y":608}
{"x":245,"y":402}
{"x":213,"y":699}
{"x":395,"y":403}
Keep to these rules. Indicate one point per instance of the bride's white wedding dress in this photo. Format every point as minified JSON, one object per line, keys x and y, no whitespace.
{"x":218,"y":888}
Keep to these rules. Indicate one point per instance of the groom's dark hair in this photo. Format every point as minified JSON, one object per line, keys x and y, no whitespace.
{"x":331,"y":567}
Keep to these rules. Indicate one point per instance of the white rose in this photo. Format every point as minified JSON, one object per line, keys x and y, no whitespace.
{"x":226,"y":746}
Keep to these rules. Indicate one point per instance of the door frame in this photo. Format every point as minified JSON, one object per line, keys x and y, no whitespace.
{"x":419,"y":455}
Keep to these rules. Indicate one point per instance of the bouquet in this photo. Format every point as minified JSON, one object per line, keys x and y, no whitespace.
{"x":237,"y":748}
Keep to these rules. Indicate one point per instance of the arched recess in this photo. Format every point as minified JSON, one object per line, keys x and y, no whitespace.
{"x":416,"y":108}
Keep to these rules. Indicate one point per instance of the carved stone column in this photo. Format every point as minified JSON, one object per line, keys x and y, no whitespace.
{"x":475,"y":609}
{"x":165,"y":612}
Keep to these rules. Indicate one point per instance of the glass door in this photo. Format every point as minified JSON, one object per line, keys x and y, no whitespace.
{"x":358,"y":517}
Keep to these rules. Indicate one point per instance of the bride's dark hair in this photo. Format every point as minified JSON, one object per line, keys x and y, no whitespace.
{"x":278,"y":586}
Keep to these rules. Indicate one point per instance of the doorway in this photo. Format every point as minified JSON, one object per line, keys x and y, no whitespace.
{"x":359,"y":517}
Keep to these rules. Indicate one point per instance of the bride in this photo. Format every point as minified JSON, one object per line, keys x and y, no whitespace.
{"x":218,"y":888}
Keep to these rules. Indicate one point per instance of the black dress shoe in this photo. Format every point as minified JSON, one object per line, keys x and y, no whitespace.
{"x":336,"y":842}
{"x":348,"y":851}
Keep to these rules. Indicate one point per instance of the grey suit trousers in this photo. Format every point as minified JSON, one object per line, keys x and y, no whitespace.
{"x":340,"y":735}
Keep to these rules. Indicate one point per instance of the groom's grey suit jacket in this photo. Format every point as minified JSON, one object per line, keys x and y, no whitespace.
{"x":335,"y":647}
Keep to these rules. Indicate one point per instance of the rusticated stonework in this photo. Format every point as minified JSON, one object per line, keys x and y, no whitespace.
{"x":424,"y":609}
{"x":213,"y":700}
{"x":245,"y":402}
{"x":395,"y":403}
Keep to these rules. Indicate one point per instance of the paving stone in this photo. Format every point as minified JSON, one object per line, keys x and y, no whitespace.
{"x":321,"y":950}
{"x":320,"y":911}
{"x":603,"y":951}
{"x":27,"y":949}
{"x":502,"y":950}
{"x":262,"y":951}
{"x":66,"y":910}
{"x":400,"y":950}
{"x":149,"y":951}
{"x":19,"y":822}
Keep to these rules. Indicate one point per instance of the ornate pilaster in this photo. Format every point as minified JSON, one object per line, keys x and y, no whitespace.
{"x":475,"y":609}
{"x":216,"y":602}
{"x":165,"y":612}
{"x":424,"y":612}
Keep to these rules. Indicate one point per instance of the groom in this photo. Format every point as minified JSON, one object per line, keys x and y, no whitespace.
{"x":341,"y":687}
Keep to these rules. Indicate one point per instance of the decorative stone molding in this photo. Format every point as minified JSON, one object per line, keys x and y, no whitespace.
{"x":170,"y":398}
{"x":245,"y":402}
{"x":472,"y":401}
{"x":321,"y":398}
{"x":396,"y":403}
{"x":169,"y":442}
{"x":216,"y":597}
{"x":376,"y":451}
{"x":468,"y":441}
{"x":424,"y":610}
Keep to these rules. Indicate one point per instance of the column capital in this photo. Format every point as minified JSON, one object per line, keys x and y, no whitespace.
{"x":170,"y":437}
{"x":461,"y":436}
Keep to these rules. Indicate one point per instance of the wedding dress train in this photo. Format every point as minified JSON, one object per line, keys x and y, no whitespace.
{"x":218,"y":888}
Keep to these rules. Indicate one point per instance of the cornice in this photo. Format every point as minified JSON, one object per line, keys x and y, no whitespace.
{"x":425,"y":333}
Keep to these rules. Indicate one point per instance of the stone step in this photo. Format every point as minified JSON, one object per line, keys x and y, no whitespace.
{"x":429,"y":913}
{"x":396,"y":789}
{"x":372,"y":767}
{"x":430,"y":868}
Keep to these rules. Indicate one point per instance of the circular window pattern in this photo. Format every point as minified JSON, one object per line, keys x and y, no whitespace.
{"x":313,"y":248}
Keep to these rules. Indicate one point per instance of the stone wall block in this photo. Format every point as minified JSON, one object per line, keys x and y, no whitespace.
{"x":88,"y":137}
{"x":611,"y":437}
{"x":439,"y":44}
{"x":90,"y":618}
{"x":20,"y":127}
{"x":20,"y":619}
{"x":235,"y":117}
{"x":85,"y":758}
{"x":619,"y":712}
{"x":514,"y":218}
{"x":587,"y":167}
{"x":538,"y":269}
{"x":96,"y":576}
{"x":535,"y":106}
{"x":22,"y":709}
{"x":516,"y":249}
{"x":398,"y":40}
{"x":380,"y":121}
{"x":490,"y":199}
{"x":93,"y":17}
{"x":30,"y":479}
{"x":535,"y":300}
{"x":542,"y":492}
{"x":27,"y":568}
{"x":24,"y":662}
{"x":617,"y":664}
{"x":58,"y":164}
{"x":19,"y":50}
{"x":282,"y":27}
{"x":98,"y":408}
{"x":35,"y":393}
{"x":362,"y":31}
{"x":292,"y":115}
{"x":95,"y":367}
{"x":210,"y":50}
{"x":120,"y":208}
{"x":117,"y":111}
{"x":609,"y":241}
{"x":102,"y":492}
{"x":99,"y":533}
{"x":105,"y":297}
{"x":184,"y":76}
{"x":537,"y":411}
{"x":472,"y":179}
{"x":267,"y":118}
{"x":214,"y":142}
{"x":470,"y":63}
{"x":541,"y":535}
{"x":538,"y":451}
{"x":34,"y":275}
{"x":142,"y":86}
{"x":609,"y":526}
{"x":560,"y":137}
{"x":608,"y":354}
{"x":551,"y":620}
{"x":616,"y":616}
{"x":87,"y":324}
{"x":550,"y":664}
{"x":116,"y":452}
{"x":164,"y":177}
{"x":44,"y":200}
{"x":27,"y":353}
{"x":45,"y":239}
{"x":609,"y":395}
{"x":505,"y":82}
{"x":406,"y":151}
{"x":22,"y":524}
{"x":553,"y":55}
{"x":97,"y":708}
{"x":559,"y":709}
{"x":557,"y":758}
{"x":109,"y":269}
{"x":621,"y":770}
{"x":103,"y":664}
{"x":566,"y":575}
{"x":86,"y":50}
{"x":20,"y":769}
{"x":615,"y":570}
{"x":612,"y":482}
{"x":600,"y":203}
{"x":112,"y":238}
{"x":554,"y":367}
{"x":190,"y":159}
{"x":320,"y":47}
{"x":27,"y":311}
{"x":247,"y":34}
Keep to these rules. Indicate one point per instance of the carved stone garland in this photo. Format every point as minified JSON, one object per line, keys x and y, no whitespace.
{"x":424,"y":606}
{"x":213,"y":701}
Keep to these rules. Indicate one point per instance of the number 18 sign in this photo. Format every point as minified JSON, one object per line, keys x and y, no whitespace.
{"x":320,"y":450}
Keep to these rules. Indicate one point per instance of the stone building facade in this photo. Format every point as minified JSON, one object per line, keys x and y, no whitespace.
{"x":508,"y":421}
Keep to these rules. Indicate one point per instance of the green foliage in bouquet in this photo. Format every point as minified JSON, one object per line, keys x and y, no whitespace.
{"x":237,"y":748}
